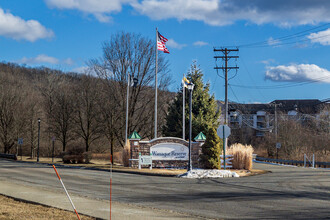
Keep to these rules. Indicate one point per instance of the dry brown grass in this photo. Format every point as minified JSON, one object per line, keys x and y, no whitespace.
{"x":252,"y":172}
{"x":126,"y":154}
{"x":104,"y":164}
{"x":242,"y":156}
{"x":101,"y":156}
{"x":117,"y":157}
{"x":11,"y":209}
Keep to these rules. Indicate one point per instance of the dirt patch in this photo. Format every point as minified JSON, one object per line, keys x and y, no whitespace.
{"x":253,"y":172}
{"x":11,"y":209}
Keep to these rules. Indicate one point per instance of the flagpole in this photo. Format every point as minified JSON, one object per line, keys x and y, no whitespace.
{"x":156,"y":83}
{"x":183,"y":109}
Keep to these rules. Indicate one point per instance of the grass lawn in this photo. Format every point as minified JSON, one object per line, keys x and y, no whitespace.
{"x":104,"y":164}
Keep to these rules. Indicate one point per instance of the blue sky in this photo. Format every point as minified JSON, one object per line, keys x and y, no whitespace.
{"x":290,"y":59}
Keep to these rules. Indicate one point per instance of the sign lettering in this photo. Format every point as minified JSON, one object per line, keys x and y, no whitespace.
{"x":169,"y":151}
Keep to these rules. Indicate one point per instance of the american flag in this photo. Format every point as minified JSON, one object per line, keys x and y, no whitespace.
{"x":161,"y":40}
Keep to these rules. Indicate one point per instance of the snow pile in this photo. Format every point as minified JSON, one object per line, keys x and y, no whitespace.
{"x":200,"y":173}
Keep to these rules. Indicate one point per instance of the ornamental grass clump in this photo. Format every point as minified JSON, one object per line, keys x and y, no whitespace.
{"x":242,"y":156}
{"x":126,"y":154}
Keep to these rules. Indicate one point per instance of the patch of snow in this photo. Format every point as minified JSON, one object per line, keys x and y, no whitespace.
{"x":200,"y":173}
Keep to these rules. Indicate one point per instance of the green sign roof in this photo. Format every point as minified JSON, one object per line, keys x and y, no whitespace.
{"x":134,"y":135}
{"x":200,"y":137}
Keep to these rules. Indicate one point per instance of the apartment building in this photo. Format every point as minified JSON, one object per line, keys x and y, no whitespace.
{"x":263,"y":117}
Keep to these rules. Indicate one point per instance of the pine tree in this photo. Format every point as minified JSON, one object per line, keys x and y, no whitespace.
{"x":205,"y":112}
{"x":211,"y":150}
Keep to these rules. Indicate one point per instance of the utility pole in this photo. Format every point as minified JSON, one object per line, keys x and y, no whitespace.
{"x":226,"y":58}
{"x":276,"y":126}
{"x":275,"y":114}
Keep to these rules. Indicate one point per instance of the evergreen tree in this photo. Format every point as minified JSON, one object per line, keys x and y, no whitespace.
{"x":211,"y":150}
{"x":205,"y":113}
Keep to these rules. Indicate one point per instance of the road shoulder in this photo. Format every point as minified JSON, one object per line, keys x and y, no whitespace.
{"x":91,"y":207}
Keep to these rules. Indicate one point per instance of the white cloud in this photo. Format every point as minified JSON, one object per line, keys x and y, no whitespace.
{"x":45,"y":59}
{"x":224,"y":12}
{"x":267,"y":62}
{"x":173,"y":44}
{"x":12,"y":26}
{"x":273,"y":42}
{"x":322,"y":37}
{"x":68,"y":61}
{"x":298,"y":73}
{"x":200,"y":43}
{"x":81,"y":69}
{"x":42,"y":58}
{"x":99,"y":8}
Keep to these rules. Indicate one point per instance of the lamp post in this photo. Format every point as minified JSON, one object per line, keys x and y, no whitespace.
{"x":127,"y":95}
{"x":135,"y":82}
{"x":38,"y":139}
{"x":190,"y":88}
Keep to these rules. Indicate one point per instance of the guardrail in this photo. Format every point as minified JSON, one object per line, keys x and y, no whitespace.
{"x":292,"y":162}
{"x":228,"y":160}
{"x":9,"y":156}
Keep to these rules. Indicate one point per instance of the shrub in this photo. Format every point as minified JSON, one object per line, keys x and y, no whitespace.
{"x":76,"y":150}
{"x":76,"y":154}
{"x":73,"y":159}
{"x":211,"y":150}
{"x":242,"y":156}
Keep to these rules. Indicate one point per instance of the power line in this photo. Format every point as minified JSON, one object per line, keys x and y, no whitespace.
{"x":250,"y":75}
{"x":287,"y":43}
{"x":285,"y":38}
{"x":234,"y":93}
{"x":283,"y":85}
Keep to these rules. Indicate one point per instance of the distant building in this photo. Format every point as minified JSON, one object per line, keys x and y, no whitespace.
{"x":262,"y":117}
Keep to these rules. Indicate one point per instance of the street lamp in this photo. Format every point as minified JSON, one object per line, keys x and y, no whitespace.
{"x":135,"y":82}
{"x":190,"y":88}
{"x":127,"y":95}
{"x":38,"y":139}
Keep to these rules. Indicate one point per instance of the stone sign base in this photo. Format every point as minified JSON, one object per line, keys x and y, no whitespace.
{"x":167,"y":152}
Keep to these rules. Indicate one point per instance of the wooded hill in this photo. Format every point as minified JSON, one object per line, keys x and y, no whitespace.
{"x":78,"y":110}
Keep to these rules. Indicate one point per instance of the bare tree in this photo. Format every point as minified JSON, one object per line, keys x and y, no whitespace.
{"x":32,"y":111}
{"x":10,"y":118}
{"x":130,"y":55}
{"x":87,"y":114}
{"x":59,"y":108}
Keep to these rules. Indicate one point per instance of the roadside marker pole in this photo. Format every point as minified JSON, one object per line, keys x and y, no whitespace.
{"x":66,"y":192}
{"x":110,"y":182}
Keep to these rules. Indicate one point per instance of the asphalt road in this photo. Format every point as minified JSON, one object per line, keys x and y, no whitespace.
{"x":286,"y":193}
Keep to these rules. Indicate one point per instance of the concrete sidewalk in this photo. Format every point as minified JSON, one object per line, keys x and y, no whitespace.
{"x":96,"y":208}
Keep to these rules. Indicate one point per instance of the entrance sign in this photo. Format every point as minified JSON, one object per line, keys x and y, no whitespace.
{"x":145,"y":160}
{"x":169,"y":151}
{"x":223,"y":131}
